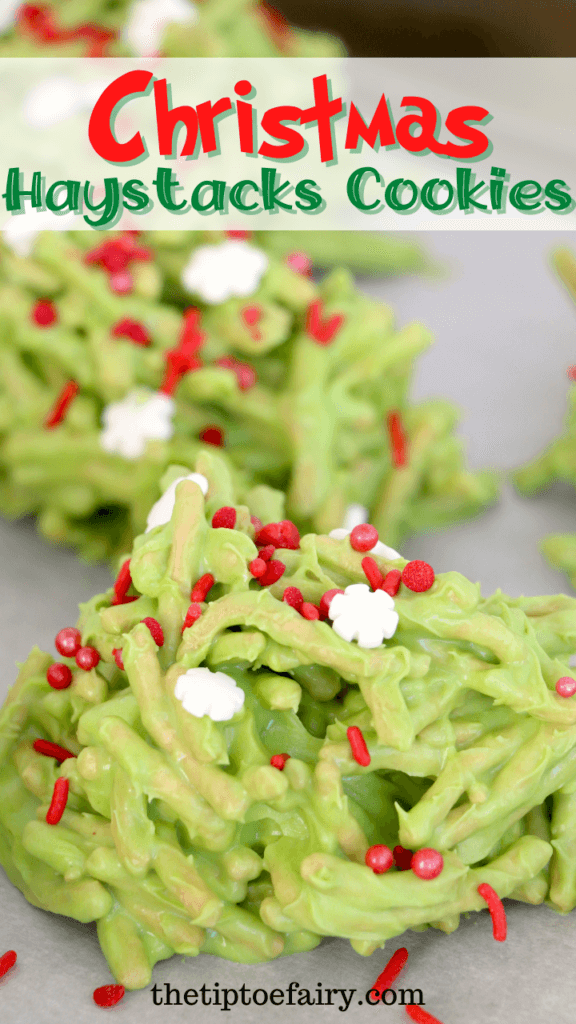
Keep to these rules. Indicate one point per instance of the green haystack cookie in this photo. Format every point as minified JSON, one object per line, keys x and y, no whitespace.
{"x":230,"y":763}
{"x":108,"y":375}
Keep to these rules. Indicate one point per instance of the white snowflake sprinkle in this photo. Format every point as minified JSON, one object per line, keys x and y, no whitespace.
{"x":355,"y":515}
{"x":215,"y":694}
{"x":140,"y":417}
{"x":364,"y":615}
{"x":232,"y":268}
{"x":161,"y":512}
{"x":147,"y":21}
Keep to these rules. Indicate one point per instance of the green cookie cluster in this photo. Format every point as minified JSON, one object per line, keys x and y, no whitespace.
{"x":179,"y":835}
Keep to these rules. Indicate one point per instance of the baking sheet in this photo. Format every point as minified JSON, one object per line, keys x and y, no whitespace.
{"x":505,"y":333}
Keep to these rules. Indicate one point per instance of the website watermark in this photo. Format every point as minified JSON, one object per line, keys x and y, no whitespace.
{"x":226,"y":999}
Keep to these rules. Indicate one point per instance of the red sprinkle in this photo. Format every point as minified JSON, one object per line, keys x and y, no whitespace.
{"x":59,"y":676}
{"x":133,"y":330}
{"x":358,"y":746}
{"x":293,"y":597}
{"x":52,"y":750}
{"x":398,"y":444}
{"x":116,"y":254}
{"x":266,"y":552}
{"x":427,"y":863}
{"x":122,"y":584}
{"x":44,"y":313}
{"x":323,"y":331}
{"x":279,"y":760}
{"x":363,"y":537}
{"x":251,"y":315}
{"x":392,"y":581}
{"x":179,"y":361}
{"x":566,"y":686}
{"x":497,"y":912}
{"x":87,"y":658}
{"x":420,"y":1016}
{"x":309,"y":611}
{"x":224,"y":518}
{"x":274,"y":570}
{"x":39,"y":22}
{"x":7,"y":961}
{"x":256,"y":523}
{"x":122,"y":283}
{"x":194,"y":612}
{"x":191,"y":336}
{"x":402,"y":858}
{"x":58,"y":802}
{"x":300,"y":263}
{"x":201,"y":588}
{"x":108,"y":995}
{"x":212,"y":435}
{"x":280,"y":535}
{"x":257,"y":567}
{"x":380,"y":858}
{"x":117,"y":655}
{"x":68,"y":641}
{"x":325,"y":601}
{"x":155,"y":629}
{"x":58,"y":411}
{"x":571,"y":372}
{"x":238,"y":235}
{"x":245,"y":374}
{"x":418,"y":576}
{"x":388,"y":976}
{"x":372,"y":573}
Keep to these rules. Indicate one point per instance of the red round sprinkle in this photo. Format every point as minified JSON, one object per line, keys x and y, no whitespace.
{"x":68,"y":641}
{"x":156,"y":630}
{"x":133,"y":330}
{"x":224,"y":518}
{"x":52,"y":750}
{"x":194,"y":612}
{"x":212,"y":435}
{"x":122,"y":282}
{"x":279,"y":760}
{"x":87,"y":658}
{"x":497,"y":912}
{"x":201,"y":588}
{"x":372,"y":573}
{"x":397,"y":437}
{"x":122,"y":584}
{"x":418,"y":576}
{"x":420,"y":1016}
{"x":58,"y":802}
{"x":388,"y":976}
{"x":325,"y":601}
{"x":358,"y":746}
{"x":402,"y":858}
{"x":380,"y":858}
{"x":274,"y":570}
{"x":293,"y":597}
{"x":363,"y":537}
{"x":282,"y":535}
{"x":59,"y":676}
{"x":266,"y":552}
{"x":245,"y":374}
{"x":427,"y":863}
{"x":566,"y":686}
{"x":7,"y":961}
{"x":58,"y":411}
{"x":44,"y":313}
{"x":392,"y":581}
{"x":108,"y":995}
{"x":309,"y":611}
{"x":300,"y":263}
{"x":257,"y":567}
{"x":117,"y":655}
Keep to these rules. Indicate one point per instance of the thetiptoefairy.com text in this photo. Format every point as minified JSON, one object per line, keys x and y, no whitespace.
{"x":226,"y":999}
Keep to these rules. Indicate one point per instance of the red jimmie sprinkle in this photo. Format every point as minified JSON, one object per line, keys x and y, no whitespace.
{"x":44,"y":313}
{"x":224,"y":518}
{"x":59,"y":676}
{"x":122,"y":584}
{"x":191,"y":336}
{"x":178,"y":362}
{"x":388,"y":976}
{"x":358,"y":746}
{"x":380,"y":858}
{"x":266,"y":552}
{"x":566,"y":686}
{"x":392,"y":581}
{"x":420,"y":1016}
{"x":52,"y":750}
{"x":280,"y":535}
{"x":427,"y":863}
{"x":274,"y":570}
{"x":300,"y":263}
{"x":39,"y":22}
{"x":58,"y":802}
{"x":257,"y":567}
{"x":497,"y":912}
{"x":325,"y":601}
{"x":238,"y":235}
{"x":156,"y":630}
{"x":251,"y":316}
{"x":212,"y":435}
{"x":323,"y":331}
{"x":108,"y":995}
{"x":133,"y":330}
{"x":194,"y":612}
{"x":402,"y":858}
{"x":279,"y":760}
{"x":398,"y":444}
{"x":245,"y":374}
{"x":116,"y":254}
{"x":309,"y":611}
{"x":7,"y":961}
{"x":68,"y":641}
{"x":87,"y":658}
{"x":571,"y":371}
{"x":372,"y":573}
{"x":201,"y":588}
{"x":418,"y":576}
{"x":363,"y":537}
{"x":117,"y":655}
{"x":293,"y":597}
{"x":58,"y":411}
{"x":122,"y":282}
